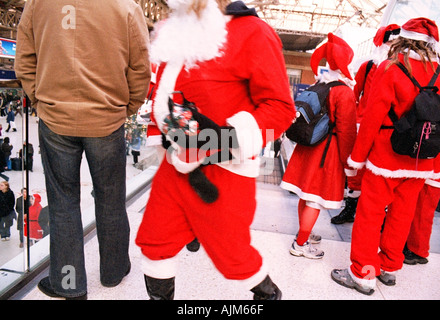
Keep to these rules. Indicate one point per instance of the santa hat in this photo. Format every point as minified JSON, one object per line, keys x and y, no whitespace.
{"x":422,"y":29}
{"x":338,"y":54}
{"x":37,"y":197}
{"x":385,"y":34}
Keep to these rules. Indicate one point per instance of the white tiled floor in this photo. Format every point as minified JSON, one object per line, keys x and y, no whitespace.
{"x":298,"y":278}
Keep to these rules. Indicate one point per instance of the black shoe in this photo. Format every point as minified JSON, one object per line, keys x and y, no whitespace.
{"x":45,"y":287}
{"x":193,"y":246}
{"x":412,"y":259}
{"x":118,"y":282}
{"x":346,"y":215}
{"x":159,"y":289}
{"x":266,"y":290}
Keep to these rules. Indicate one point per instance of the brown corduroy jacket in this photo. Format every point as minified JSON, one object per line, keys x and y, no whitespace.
{"x":83,"y":64}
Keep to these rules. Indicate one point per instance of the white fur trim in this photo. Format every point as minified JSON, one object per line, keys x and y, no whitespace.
{"x":401,"y":173}
{"x":254,"y":280}
{"x":433,"y":183}
{"x":165,"y":88}
{"x":380,"y":54}
{"x":350,"y":173}
{"x":311,"y":197}
{"x":416,"y":36}
{"x":314,"y":205}
{"x":354,"y":194}
{"x":248,"y":168}
{"x":354,"y":164}
{"x":334,"y":75}
{"x":182,"y":166}
{"x":189,"y":38}
{"x":159,"y":269}
{"x":366,"y":283}
{"x":250,"y":139}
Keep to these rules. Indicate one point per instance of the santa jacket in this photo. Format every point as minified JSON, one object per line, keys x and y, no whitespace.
{"x":391,"y":88}
{"x":246,"y":87}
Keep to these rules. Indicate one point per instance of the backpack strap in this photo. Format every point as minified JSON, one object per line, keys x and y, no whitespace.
{"x":331,"y":124}
{"x":416,"y":83}
{"x":392,"y":114}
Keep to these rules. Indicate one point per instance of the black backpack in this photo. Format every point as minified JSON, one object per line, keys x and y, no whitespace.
{"x":417,"y":133}
{"x":312,"y":124}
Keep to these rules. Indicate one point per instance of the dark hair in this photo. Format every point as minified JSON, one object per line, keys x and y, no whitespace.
{"x":404,"y":46}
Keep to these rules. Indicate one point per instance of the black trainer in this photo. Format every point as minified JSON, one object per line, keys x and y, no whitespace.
{"x":45,"y":287}
{"x":412,"y":259}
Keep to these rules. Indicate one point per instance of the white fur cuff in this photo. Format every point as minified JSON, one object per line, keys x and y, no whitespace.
{"x":250,"y":139}
{"x":354,"y":164}
{"x":159,"y":269}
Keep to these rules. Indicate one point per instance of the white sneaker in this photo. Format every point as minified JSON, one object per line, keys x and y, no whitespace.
{"x":306,"y":250}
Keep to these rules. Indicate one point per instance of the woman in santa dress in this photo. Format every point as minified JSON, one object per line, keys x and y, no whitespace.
{"x":232,"y":68}
{"x":323,"y":187}
{"x":391,"y":179}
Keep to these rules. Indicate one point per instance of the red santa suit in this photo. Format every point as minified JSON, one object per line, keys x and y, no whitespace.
{"x":390,"y":179}
{"x":303,"y":175}
{"x":361,"y":90}
{"x":421,"y":227}
{"x":35,"y":230}
{"x":233,"y":70}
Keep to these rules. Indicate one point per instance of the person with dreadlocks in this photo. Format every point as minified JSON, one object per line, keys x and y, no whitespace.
{"x":382,"y":41}
{"x":390,"y":179}
{"x":217,"y":73}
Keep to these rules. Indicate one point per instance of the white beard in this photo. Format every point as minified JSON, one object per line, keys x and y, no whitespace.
{"x":187,"y":38}
{"x":183,"y":40}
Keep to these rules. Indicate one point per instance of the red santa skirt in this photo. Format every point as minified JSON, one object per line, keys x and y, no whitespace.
{"x":309,"y":181}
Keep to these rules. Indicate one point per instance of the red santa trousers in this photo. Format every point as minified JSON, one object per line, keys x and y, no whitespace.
{"x":421,"y":228}
{"x":378,"y":192}
{"x":175,"y":214}
{"x":355,"y":182}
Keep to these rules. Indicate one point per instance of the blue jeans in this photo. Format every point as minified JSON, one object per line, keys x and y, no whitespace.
{"x":61,"y":158}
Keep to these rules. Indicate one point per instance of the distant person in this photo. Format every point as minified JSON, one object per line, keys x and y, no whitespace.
{"x":20,"y":206}
{"x":7,"y":212}
{"x":31,"y":221}
{"x":84,"y":80}
{"x":7,"y":151}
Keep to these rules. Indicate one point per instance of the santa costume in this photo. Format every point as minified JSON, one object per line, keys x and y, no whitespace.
{"x":384,"y":36}
{"x":211,"y":58}
{"x":323,"y":187}
{"x":35,"y":230}
{"x":391,"y":180}
{"x":418,"y":242}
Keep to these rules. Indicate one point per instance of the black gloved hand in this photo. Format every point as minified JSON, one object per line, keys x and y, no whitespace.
{"x":224,"y":137}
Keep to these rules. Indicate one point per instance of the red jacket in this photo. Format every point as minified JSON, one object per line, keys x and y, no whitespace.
{"x":391,"y":88}
{"x":35,"y":231}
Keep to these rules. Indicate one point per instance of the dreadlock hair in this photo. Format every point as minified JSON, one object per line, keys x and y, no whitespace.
{"x":404,"y":46}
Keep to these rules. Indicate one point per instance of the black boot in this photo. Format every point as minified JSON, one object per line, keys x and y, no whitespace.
{"x":193,"y":246}
{"x":266,"y":290}
{"x":346,"y":215}
{"x":159,"y":289}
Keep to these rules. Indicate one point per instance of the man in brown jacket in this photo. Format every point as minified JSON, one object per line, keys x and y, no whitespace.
{"x":85,"y":67}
